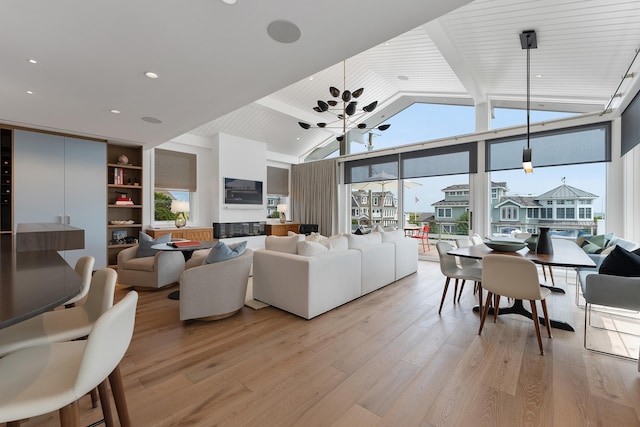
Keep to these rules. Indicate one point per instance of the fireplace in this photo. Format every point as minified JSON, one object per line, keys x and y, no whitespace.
{"x":225,"y":230}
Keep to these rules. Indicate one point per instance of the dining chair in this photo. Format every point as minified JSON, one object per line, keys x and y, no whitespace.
{"x":423,"y":235}
{"x":53,"y":376}
{"x":524,"y":236}
{"x":62,"y":325}
{"x":451,"y":270}
{"x":84,"y":268}
{"x":468,"y":262}
{"x":514,"y":277}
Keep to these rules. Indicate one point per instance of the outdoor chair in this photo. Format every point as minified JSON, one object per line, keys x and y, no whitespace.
{"x":423,"y":235}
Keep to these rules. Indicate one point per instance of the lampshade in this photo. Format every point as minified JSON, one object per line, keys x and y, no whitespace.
{"x":281,"y":208}
{"x":179,"y":206}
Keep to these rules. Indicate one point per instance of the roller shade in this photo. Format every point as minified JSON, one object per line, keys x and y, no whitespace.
{"x":277,"y":181}
{"x":440,"y":161}
{"x":175,"y":170}
{"x":569,"y":146}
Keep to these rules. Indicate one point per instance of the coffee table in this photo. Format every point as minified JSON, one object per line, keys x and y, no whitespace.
{"x":565,"y":254}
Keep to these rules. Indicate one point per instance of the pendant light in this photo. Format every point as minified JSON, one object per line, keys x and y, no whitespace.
{"x":528,"y":41}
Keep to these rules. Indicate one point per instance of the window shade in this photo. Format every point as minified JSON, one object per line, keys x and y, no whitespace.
{"x":580,"y":144}
{"x":372,"y":169}
{"x":175,"y":170}
{"x":277,"y":181}
{"x":440,"y":161}
{"x":631,"y":125}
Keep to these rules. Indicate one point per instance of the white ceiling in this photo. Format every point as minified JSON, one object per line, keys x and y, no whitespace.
{"x":221,"y":72}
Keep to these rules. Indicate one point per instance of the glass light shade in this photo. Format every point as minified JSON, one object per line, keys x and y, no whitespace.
{"x":526,"y":160}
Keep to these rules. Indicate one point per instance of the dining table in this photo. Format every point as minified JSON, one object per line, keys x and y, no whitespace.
{"x":32,"y":281}
{"x":565,"y":254}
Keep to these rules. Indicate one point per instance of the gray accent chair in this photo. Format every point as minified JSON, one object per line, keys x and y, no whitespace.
{"x":154,"y":272}
{"x":607,"y":290}
{"x":214,"y":291}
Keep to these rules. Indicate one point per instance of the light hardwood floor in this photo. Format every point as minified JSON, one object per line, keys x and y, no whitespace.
{"x":386,"y":359}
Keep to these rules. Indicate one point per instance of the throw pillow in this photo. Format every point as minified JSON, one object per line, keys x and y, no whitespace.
{"x":145,"y":242}
{"x":336,"y":243}
{"x":286,"y":244}
{"x":223,"y":252}
{"x":621,"y":262}
{"x":315,"y":237}
{"x":307,"y":248}
{"x":617,"y":241}
{"x":291,"y":233}
{"x":591,"y":248}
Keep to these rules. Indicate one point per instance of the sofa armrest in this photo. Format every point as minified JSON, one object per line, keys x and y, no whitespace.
{"x":613,"y":291}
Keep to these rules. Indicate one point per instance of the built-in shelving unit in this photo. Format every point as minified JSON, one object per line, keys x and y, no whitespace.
{"x":6,"y":183}
{"x":124,"y":198}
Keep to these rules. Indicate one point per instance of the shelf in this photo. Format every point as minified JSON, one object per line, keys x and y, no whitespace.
{"x":139,"y":187}
{"x":126,"y":206}
{"x":124,"y":226}
{"x":116,"y":165}
{"x":121,"y":246}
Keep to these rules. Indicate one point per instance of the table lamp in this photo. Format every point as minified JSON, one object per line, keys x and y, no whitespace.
{"x":180,"y":207}
{"x":283,"y":210}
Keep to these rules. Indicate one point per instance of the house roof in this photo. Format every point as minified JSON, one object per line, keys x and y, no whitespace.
{"x":221,"y":72}
{"x":458,"y":187}
{"x":566,"y":192}
{"x":521,"y":201}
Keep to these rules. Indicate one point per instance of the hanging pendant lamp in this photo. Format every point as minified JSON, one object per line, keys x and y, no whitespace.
{"x":528,"y":41}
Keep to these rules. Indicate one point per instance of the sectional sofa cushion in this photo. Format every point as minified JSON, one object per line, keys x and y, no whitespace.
{"x":391,"y":236}
{"x":145,"y":242}
{"x":357,"y":241}
{"x":286,"y":244}
{"x":336,"y":243}
{"x":221,"y":252}
{"x":315,"y":237}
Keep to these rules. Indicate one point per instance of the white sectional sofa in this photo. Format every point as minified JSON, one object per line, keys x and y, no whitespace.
{"x":308,"y":278}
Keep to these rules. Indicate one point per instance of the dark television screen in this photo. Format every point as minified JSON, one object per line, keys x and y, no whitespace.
{"x":242,"y":192}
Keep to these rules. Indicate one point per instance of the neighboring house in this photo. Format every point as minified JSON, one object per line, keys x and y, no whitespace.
{"x":382,"y":205}
{"x":564,"y":208}
{"x":456,"y":203}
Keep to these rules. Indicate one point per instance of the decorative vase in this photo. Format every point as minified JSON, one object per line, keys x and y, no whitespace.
{"x":544,"y":245}
{"x":532,"y":242}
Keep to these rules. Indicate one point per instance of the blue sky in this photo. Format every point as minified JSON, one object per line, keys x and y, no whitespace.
{"x":424,"y":122}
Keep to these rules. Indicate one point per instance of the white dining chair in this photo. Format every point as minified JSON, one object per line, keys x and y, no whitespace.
{"x":84,"y":268}
{"x":52,"y":377}
{"x":514,"y":277}
{"x":63,"y":325}
{"x":451,"y":270}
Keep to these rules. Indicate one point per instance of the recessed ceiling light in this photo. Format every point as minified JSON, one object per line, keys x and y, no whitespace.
{"x":284,"y":31}
{"x":311,"y":78}
{"x":403,"y":78}
{"x":230,"y":1}
{"x":30,"y":92}
{"x":152,"y":120}
{"x":151,"y":74}
{"x":33,"y":61}
{"x":538,"y":75}
{"x":114,"y":111}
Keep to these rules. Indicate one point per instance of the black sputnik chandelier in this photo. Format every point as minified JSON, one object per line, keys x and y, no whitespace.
{"x":344,"y":107}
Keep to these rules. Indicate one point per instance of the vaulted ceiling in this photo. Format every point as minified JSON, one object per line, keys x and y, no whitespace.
{"x":220,"y":71}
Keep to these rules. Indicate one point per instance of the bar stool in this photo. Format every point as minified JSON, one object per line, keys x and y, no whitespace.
{"x":49,"y":377}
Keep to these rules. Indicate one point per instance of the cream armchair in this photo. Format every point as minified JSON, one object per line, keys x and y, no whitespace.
{"x":161,"y":269}
{"x":215,"y":291}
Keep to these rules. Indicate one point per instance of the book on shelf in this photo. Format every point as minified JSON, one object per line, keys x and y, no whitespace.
{"x":118,"y":176}
{"x":124,"y":203}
